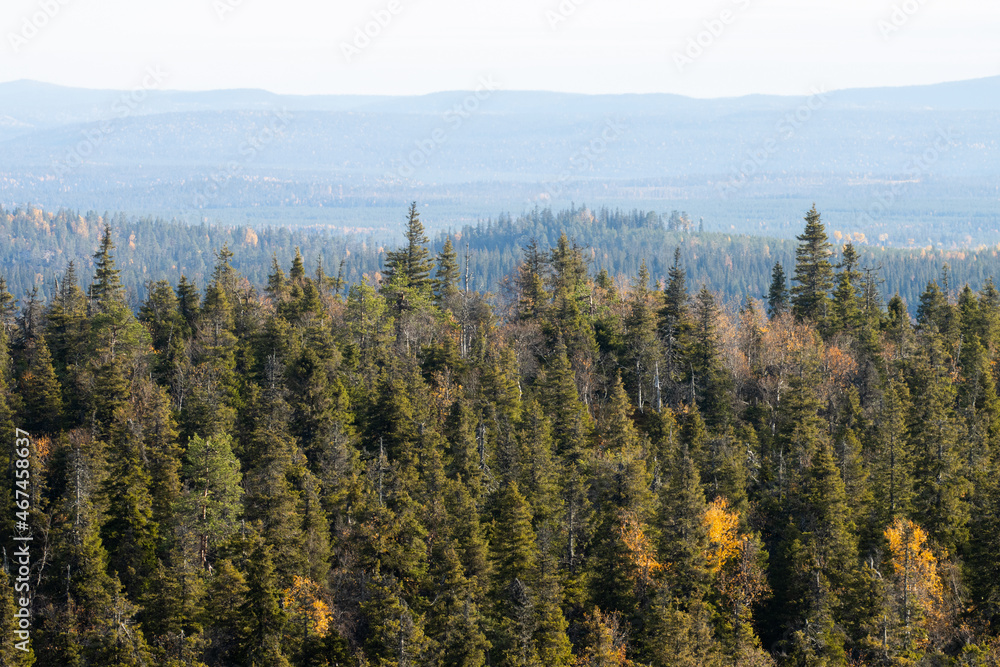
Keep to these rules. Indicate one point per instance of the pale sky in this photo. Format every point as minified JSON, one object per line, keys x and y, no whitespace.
{"x":588,"y":46}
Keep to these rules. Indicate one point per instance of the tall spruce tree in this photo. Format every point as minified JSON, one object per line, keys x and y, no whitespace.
{"x":446,"y":278}
{"x":777,"y":294}
{"x":813,"y":272}
{"x":411,"y":266}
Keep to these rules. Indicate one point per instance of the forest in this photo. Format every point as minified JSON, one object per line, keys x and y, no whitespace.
{"x":576,"y":469}
{"x":40,"y":244}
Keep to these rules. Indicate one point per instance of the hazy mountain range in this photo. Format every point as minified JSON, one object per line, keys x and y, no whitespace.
{"x":912,"y":165}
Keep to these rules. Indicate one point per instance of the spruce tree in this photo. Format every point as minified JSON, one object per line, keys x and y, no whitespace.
{"x":411,"y":266}
{"x":67,"y":324}
{"x":675,"y":327}
{"x":265,"y":617}
{"x":642,"y":345}
{"x":709,"y":380}
{"x":813,"y":272}
{"x":777,"y":295}
{"x":941,"y":484}
{"x":446,"y":278}
{"x":130,"y":524}
{"x":846,"y":307}
{"x":41,"y":395}
{"x":211,"y":502}
{"x":188,"y":301}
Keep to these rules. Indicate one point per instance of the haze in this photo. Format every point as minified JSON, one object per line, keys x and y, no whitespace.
{"x":588,"y":46}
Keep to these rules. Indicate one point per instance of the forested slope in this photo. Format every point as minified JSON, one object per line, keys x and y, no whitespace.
{"x":579,"y":473}
{"x":39,"y":245}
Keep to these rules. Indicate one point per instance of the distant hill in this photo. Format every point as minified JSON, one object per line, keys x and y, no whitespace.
{"x":912,"y":165}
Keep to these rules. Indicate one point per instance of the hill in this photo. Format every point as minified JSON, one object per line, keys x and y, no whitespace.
{"x":914,"y":164}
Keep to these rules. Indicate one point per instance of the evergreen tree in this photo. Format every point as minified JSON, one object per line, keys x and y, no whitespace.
{"x":411,"y":266}
{"x":642,"y":345}
{"x":813,"y":272}
{"x":67,"y":324}
{"x":777,"y":295}
{"x":188,"y":301}
{"x":941,"y":487}
{"x":211,"y":501}
{"x":890,"y":464}
{"x":846,"y":308}
{"x":107,"y":287}
{"x":265,"y":618}
{"x":41,"y":395}
{"x":708,"y":378}
{"x":129,"y":525}
{"x":675,"y":325}
{"x":531,"y":278}
{"x":446,"y":278}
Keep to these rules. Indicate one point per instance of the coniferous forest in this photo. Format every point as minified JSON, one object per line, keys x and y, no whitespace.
{"x":575,"y":470}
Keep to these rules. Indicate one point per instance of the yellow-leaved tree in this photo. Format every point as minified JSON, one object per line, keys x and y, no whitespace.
{"x":916,"y":593}
{"x":737,"y":564}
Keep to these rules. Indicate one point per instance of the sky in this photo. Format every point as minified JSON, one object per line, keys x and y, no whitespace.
{"x":701,"y":48}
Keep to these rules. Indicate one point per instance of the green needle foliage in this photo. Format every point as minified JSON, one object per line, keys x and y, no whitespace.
{"x":584,"y":468}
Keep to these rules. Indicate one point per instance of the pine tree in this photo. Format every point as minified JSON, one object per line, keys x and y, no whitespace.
{"x":606,"y":641}
{"x":411,"y":266}
{"x":94,"y":619}
{"x":116,"y":337}
{"x":226,"y":619}
{"x":466,"y":459}
{"x":708,"y":378}
{"x":820,"y":556}
{"x":890,"y":462}
{"x":777,"y":295}
{"x":41,"y":395}
{"x":265,"y":619}
{"x":941,"y":485}
{"x":675,"y":326}
{"x":813,"y":272}
{"x":277,"y":283}
{"x":211,"y":501}
{"x":446,"y":278}
{"x":272,"y":464}
{"x":167,"y":328}
{"x":107,"y":287}
{"x":532,"y":275}
{"x":129,"y":526}
{"x":846,"y":308}
{"x":682,"y":533}
{"x":188,"y":301}
{"x":396,"y":635}
{"x":642,"y":345}
{"x":454,"y":623}
{"x":515,"y":560}
{"x":297,"y":274}
{"x":67,"y":324}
